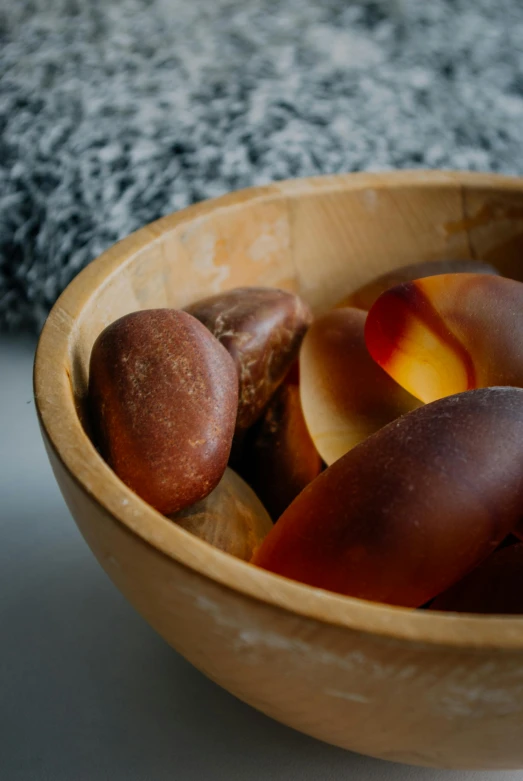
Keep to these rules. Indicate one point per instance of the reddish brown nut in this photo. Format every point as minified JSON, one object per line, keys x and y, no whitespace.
{"x":365,"y":296}
{"x":496,"y":586}
{"x":414,"y":507}
{"x":163,"y":398}
{"x":281,"y":456}
{"x":262,"y":329}
{"x":231,"y":518}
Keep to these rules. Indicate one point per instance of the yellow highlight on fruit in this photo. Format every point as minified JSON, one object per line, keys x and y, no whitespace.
{"x":425,"y":366}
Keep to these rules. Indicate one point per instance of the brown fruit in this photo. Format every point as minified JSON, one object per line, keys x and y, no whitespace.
{"x":281,"y":456}
{"x":496,"y":586}
{"x":163,"y":398}
{"x":345,"y":395}
{"x":450,"y":333}
{"x":231,"y":518}
{"x":365,"y":296}
{"x":262,"y":329}
{"x":414,"y":507}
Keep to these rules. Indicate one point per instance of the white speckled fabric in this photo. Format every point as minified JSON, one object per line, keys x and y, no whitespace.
{"x":115,"y":112}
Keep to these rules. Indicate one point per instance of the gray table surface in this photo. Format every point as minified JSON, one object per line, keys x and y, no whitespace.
{"x":87,"y":690}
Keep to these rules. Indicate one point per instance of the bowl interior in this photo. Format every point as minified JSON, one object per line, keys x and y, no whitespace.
{"x":321,"y":238}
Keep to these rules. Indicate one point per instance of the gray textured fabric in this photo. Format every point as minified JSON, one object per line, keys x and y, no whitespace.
{"x":115,"y":113}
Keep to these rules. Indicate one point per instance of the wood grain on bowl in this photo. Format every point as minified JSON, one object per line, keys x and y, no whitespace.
{"x":409,"y":686}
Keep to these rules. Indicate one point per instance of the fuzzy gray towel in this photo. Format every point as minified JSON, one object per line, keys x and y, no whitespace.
{"x":115,"y":112}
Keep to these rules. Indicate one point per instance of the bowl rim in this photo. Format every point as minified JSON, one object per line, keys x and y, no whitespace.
{"x":64,"y":434}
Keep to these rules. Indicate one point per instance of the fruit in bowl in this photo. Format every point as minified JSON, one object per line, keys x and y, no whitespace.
{"x":404,"y":510}
{"x":408,"y":672}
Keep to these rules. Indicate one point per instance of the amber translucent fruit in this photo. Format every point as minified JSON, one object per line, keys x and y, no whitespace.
{"x":163,"y":397}
{"x":231,"y":518}
{"x":365,"y":296}
{"x":406,"y":513}
{"x":495,"y":586}
{"x":262,"y":329}
{"x":447,"y":334}
{"x":345,"y":395}
{"x":280,"y":456}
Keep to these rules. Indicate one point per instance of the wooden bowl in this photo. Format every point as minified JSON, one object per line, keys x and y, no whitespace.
{"x":410,"y":686}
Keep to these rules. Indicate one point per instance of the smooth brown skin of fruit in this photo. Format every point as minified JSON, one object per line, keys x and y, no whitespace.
{"x":368,"y":294}
{"x":345,"y":395}
{"x":231,"y":518}
{"x":262,"y":328}
{"x":281,"y":456}
{"x":163,"y":397}
{"x":412,"y":509}
{"x":496,"y":586}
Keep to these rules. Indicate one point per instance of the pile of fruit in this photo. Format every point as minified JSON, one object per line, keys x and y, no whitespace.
{"x":375,"y":451}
